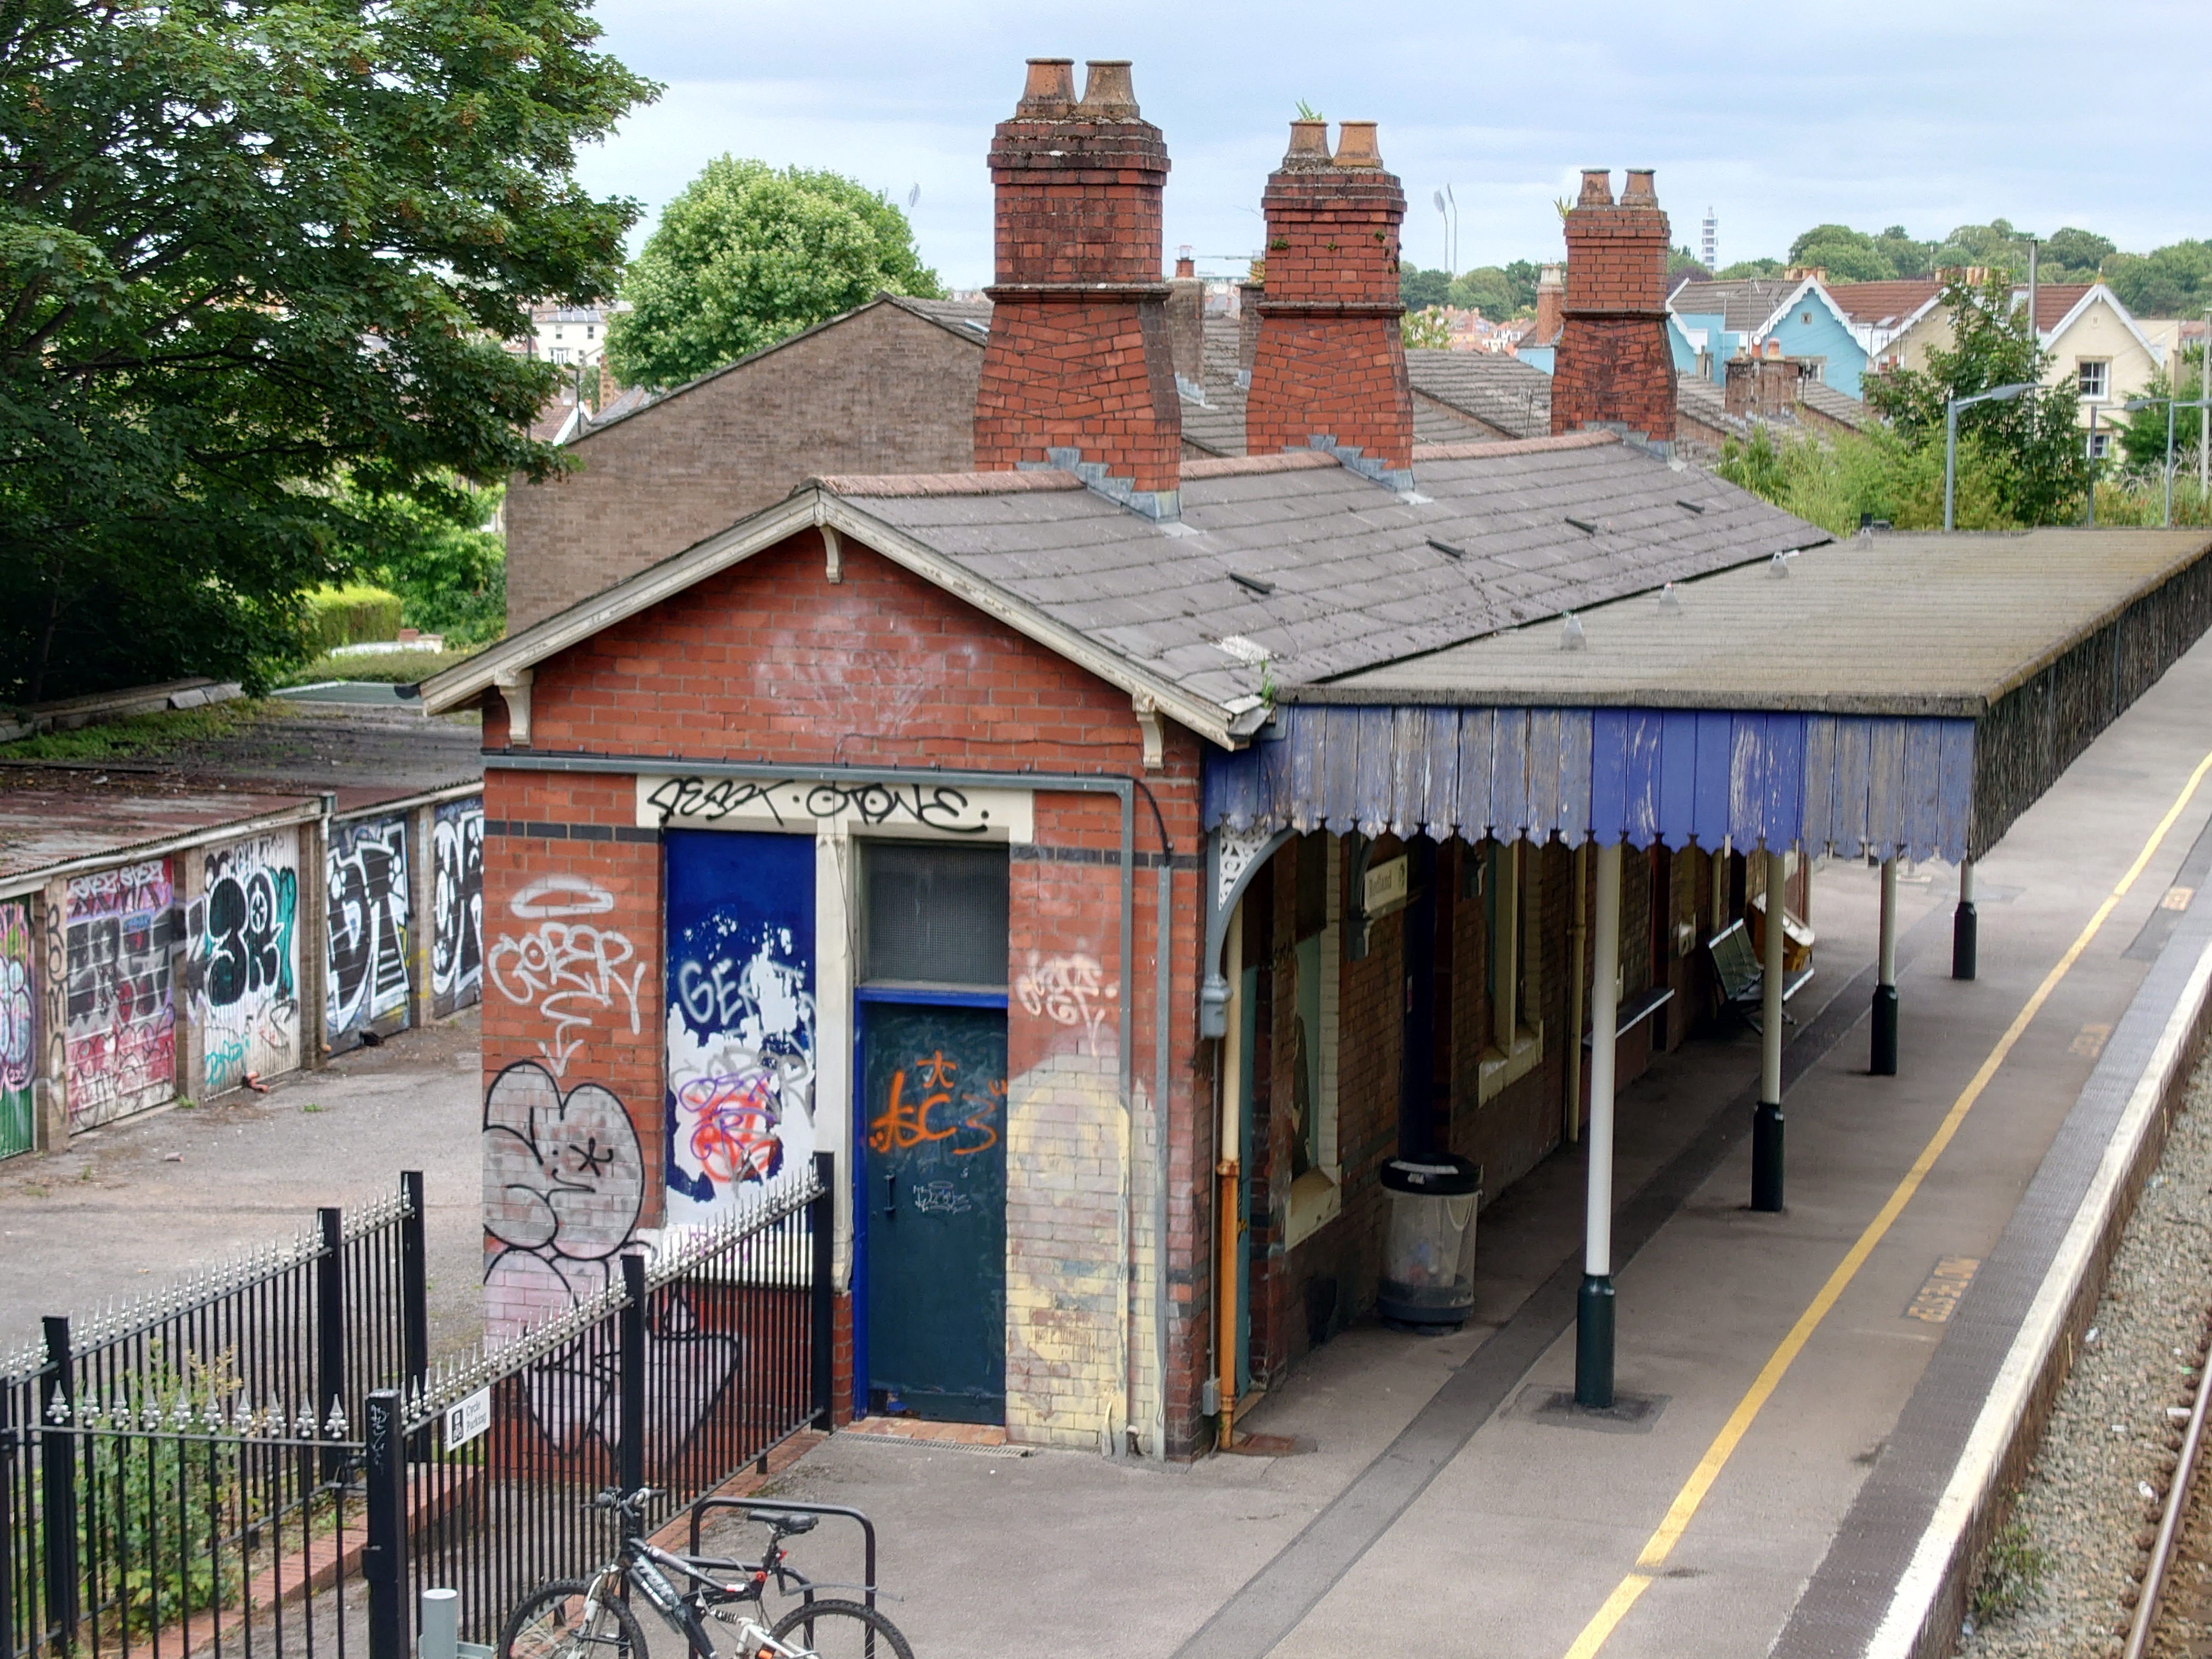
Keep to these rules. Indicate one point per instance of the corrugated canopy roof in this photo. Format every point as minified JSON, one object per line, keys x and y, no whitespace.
{"x":1890,"y":625}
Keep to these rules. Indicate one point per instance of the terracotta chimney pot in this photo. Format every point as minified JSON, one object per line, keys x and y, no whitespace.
{"x":1050,"y":92}
{"x":1356,"y":146}
{"x":1597,"y":188}
{"x":1108,"y":92}
{"x":1309,"y":144}
{"x":1637,"y":191}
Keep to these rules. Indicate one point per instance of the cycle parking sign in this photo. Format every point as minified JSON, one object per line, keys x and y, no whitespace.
{"x":468,"y":1418}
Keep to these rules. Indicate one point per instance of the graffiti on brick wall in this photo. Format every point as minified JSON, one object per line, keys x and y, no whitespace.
{"x":572,"y":973}
{"x":457,"y":906}
{"x":368,"y":911}
{"x":1073,"y":991}
{"x":740,"y":1016}
{"x":564,"y":1184}
{"x":19,"y":1027}
{"x":121,"y":1040}
{"x":245,"y":960}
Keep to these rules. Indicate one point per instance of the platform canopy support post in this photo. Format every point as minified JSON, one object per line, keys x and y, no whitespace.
{"x":1766,"y":1116}
{"x":1594,"y":1309}
{"x":1963,"y":924}
{"x":1882,"y":1061}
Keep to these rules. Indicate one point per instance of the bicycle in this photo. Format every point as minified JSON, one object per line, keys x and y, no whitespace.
{"x":591,"y":1617}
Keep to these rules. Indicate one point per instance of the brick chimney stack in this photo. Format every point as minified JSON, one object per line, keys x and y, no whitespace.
{"x":1186,"y":320}
{"x":1613,"y":364}
{"x":1551,"y":300}
{"x":1329,"y":361}
{"x":1078,"y":356}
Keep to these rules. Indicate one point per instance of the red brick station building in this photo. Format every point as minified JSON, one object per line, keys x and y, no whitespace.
{"x":1115,"y":860}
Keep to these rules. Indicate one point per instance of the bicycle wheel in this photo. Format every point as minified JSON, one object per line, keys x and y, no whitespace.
{"x":841,"y":1629}
{"x":549,"y":1623}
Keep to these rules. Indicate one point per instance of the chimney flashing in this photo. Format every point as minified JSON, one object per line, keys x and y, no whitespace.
{"x":1158,"y":505}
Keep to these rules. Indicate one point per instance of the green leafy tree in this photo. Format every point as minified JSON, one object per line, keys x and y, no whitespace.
{"x":1429,"y":328}
{"x":444,"y":560}
{"x":2175,"y":281}
{"x":747,"y":255}
{"x":2029,"y":448}
{"x":2142,"y":435}
{"x":1419,"y":290}
{"x":1743,"y":268}
{"x":255,"y":263}
{"x":1847,"y":255}
{"x":2073,"y":255}
{"x":1907,"y":255}
{"x":1996,"y":245}
{"x":1680,"y":260}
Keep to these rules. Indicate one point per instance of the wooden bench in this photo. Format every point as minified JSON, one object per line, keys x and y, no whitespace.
{"x":1634,"y":1012}
{"x":1743,"y":977}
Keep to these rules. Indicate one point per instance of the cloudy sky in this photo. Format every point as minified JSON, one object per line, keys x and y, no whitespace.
{"x":1778,"y":115}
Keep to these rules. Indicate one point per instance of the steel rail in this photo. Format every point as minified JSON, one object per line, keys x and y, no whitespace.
{"x":2170,"y":1522}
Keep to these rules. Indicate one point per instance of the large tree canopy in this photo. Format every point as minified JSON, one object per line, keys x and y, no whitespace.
{"x":747,"y":255}
{"x":256,"y":259}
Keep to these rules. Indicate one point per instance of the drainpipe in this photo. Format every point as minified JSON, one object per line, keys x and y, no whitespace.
{"x":1226,"y":1172}
{"x":1580,"y":934}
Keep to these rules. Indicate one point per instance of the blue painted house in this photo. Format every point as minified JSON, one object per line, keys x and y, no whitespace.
{"x":1715,"y":320}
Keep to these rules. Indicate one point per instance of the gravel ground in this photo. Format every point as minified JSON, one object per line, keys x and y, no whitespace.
{"x":2088,"y":1506}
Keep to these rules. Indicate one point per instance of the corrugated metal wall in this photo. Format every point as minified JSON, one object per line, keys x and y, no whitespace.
{"x":1643,"y":775}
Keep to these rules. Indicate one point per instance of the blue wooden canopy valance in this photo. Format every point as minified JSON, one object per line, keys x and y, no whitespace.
{"x":1881,"y":786}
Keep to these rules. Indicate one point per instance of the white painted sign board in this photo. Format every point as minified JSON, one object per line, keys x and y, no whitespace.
{"x":468,"y":1418}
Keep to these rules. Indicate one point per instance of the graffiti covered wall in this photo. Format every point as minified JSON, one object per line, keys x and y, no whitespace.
{"x":457,"y":906}
{"x":740,"y":1016}
{"x":368,"y":919}
{"x":121,"y":926}
{"x":246,"y":951}
{"x":19,"y":1028}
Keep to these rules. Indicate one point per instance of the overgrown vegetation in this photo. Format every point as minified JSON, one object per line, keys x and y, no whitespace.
{"x":1429,"y":328}
{"x":349,"y":615}
{"x":385,"y":668}
{"x":141,"y":734}
{"x":2012,"y":1576}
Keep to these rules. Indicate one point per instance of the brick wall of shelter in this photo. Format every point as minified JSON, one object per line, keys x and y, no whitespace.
{"x":879,"y":390}
{"x":771,"y":661}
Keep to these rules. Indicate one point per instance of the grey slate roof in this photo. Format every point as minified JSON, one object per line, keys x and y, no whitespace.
{"x":1744,"y":303}
{"x":1355,"y":575}
{"x":1500,"y":391}
{"x":1839,"y":406}
{"x":968,"y":319}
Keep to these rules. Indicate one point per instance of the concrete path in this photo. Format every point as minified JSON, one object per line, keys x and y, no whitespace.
{"x":1441,"y":1513}
{"x":124,"y":1208}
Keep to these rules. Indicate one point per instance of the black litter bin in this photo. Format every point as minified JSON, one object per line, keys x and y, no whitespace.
{"x":1428,"y":1253}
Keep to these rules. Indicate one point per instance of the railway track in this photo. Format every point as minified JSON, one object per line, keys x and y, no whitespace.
{"x":2172,"y":1598}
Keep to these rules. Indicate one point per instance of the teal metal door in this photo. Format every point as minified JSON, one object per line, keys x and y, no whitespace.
{"x":934,"y":1184}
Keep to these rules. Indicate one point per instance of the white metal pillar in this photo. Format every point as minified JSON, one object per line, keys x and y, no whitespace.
{"x":1883,"y":1060}
{"x":1766,"y":1116}
{"x":1594,"y":1307}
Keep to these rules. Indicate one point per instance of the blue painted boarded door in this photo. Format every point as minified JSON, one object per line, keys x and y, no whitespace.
{"x":741,"y":1030}
{"x":933,"y":1097}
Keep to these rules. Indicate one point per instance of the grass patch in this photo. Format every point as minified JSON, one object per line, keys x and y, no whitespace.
{"x":2012,"y":1576}
{"x":391,"y":668}
{"x":141,"y":734}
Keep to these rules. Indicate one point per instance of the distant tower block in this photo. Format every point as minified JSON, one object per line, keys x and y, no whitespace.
{"x":1709,"y":242}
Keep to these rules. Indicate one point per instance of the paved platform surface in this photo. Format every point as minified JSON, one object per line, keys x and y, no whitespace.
{"x":1443,"y":1511}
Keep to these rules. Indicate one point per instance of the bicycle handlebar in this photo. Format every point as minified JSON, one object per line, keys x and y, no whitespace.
{"x":613,"y":1497}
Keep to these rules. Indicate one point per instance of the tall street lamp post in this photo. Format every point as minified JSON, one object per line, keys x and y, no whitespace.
{"x":2003,"y":394}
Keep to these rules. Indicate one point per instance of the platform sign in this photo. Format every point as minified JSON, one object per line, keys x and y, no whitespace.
{"x":467,"y":1419}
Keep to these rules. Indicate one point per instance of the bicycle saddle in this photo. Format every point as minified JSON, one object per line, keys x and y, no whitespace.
{"x":784,"y":1521}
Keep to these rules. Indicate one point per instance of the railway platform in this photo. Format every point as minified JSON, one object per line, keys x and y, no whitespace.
{"x":1804,"y":1397}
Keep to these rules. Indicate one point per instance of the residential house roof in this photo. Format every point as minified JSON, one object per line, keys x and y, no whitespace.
{"x":1883,"y":304}
{"x":1501,"y":392}
{"x":1744,"y":305}
{"x":2054,"y":301}
{"x":1284,"y":568}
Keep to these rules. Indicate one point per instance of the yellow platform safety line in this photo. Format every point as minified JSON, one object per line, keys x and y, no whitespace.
{"x":1684,"y":1509}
